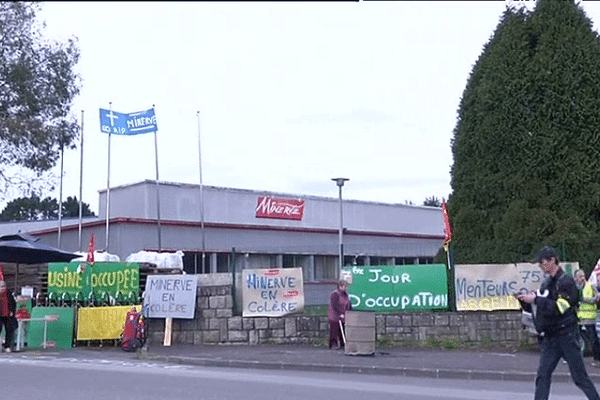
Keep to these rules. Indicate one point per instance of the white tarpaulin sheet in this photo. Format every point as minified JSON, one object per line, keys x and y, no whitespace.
{"x":161,"y":260}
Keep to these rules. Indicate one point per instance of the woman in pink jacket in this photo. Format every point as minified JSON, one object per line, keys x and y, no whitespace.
{"x":339,"y":303}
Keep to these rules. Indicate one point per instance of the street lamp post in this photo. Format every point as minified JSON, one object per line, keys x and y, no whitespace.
{"x":340,"y":182}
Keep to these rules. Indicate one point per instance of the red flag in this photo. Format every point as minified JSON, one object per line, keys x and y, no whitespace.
{"x":447,"y":229}
{"x":90,"y":255}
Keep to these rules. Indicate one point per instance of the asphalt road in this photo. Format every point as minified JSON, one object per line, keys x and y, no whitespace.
{"x":49,"y":377}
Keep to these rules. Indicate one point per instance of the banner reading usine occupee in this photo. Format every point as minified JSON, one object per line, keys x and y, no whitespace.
{"x":79,"y":279}
{"x":272,"y":292}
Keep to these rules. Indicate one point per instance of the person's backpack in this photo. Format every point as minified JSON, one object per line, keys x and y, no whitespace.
{"x":134,"y":331}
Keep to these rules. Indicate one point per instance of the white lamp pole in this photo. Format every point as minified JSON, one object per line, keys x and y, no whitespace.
{"x":340,"y":183}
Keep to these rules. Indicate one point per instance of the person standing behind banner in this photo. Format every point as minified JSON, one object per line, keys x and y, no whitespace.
{"x":339,"y":303}
{"x":8,"y":307}
{"x":587,"y":313}
{"x":594,"y":276}
{"x":556,"y":324}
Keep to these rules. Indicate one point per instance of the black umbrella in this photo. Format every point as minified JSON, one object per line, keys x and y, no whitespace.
{"x":24,"y":249}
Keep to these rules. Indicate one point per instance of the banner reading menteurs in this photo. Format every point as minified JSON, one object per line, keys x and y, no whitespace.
{"x":491,"y":286}
{"x":394,"y":288}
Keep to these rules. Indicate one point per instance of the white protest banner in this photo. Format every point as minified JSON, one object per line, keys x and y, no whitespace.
{"x":272,"y":292}
{"x":491,"y":286}
{"x":170,"y":296}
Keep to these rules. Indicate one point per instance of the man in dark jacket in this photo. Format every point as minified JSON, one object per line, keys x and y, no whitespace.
{"x":556,"y":323}
{"x":7,"y":316}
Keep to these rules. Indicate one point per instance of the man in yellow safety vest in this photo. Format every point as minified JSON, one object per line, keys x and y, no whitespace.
{"x":587,"y":314}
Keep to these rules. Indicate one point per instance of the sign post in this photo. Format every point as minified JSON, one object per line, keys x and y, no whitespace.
{"x":168,"y":331}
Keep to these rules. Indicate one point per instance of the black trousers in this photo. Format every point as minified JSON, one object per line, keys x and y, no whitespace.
{"x":590,"y":336}
{"x":553,"y":349}
{"x":9,"y":330}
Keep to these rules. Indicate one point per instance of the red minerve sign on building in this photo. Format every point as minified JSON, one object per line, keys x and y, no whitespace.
{"x":268,"y":207}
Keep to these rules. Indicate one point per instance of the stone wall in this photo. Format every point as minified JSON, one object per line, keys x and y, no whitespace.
{"x":215,"y":322}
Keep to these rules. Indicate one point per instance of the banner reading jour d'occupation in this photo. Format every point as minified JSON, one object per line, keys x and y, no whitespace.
{"x":491,"y":286}
{"x":395,"y":288}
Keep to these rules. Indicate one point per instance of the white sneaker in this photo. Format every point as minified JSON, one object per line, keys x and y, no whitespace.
{"x":7,"y":350}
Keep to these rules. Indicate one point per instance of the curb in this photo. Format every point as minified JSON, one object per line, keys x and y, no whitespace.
{"x":367,"y":370}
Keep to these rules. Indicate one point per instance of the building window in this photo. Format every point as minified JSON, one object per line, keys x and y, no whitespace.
{"x":223,"y":262}
{"x":290,"y":261}
{"x":349,"y":261}
{"x":260,"y":261}
{"x":360,"y":260}
{"x":383,"y":261}
{"x":326,"y":268}
{"x":192,"y":262}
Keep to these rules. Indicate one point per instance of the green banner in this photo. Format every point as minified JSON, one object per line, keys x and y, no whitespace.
{"x":51,"y":327}
{"x":79,"y":279}
{"x":398,"y":288}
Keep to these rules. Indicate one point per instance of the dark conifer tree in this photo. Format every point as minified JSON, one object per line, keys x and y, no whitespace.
{"x":526,"y":145}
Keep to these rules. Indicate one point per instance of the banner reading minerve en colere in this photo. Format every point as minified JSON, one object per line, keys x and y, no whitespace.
{"x":398,"y":288}
{"x":272,"y":292}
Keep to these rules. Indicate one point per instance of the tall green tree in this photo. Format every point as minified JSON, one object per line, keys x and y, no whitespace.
{"x":37,"y":86}
{"x":71,"y":208}
{"x":33,"y":209}
{"x":526,"y":145}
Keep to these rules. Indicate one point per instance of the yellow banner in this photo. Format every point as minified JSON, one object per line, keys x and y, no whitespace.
{"x":94,"y":323}
{"x":488,"y":303}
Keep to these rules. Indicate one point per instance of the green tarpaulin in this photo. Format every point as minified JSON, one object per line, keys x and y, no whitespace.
{"x":79,"y":279}
{"x":398,"y":288}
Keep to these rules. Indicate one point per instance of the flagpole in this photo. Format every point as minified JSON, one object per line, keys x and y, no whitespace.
{"x":60,"y":192}
{"x":157,"y":186}
{"x":446,"y":245}
{"x":81,"y":182}
{"x":451,"y":282}
{"x":108,"y":183}
{"x":201,"y":198}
